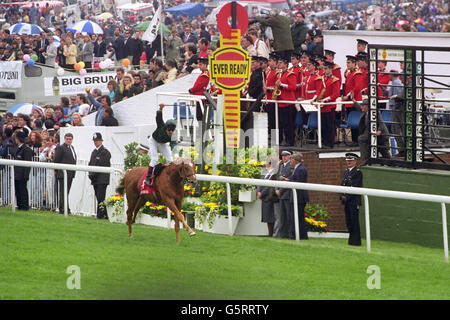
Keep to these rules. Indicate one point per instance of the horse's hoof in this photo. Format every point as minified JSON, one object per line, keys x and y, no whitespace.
{"x":191,"y":233}
{"x":130,"y":235}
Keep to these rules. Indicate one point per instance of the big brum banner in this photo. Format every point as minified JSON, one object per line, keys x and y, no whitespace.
{"x":70,"y":85}
{"x":11,"y":74}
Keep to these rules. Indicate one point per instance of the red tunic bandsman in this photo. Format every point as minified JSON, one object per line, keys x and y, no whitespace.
{"x":201,"y":84}
{"x":329,"y":93}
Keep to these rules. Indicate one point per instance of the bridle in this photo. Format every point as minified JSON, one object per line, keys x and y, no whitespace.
{"x":186,"y":176}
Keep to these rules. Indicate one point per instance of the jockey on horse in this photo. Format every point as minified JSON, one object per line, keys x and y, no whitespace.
{"x":160,"y":140}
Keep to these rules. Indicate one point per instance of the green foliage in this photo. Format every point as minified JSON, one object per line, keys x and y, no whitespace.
{"x":318,"y":212}
{"x":187,"y":205}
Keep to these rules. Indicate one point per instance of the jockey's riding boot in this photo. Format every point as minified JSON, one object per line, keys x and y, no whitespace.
{"x":148,"y":179}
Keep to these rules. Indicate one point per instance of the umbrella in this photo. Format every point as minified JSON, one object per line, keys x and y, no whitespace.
{"x":25,"y":108}
{"x":86,"y":26}
{"x":144,"y":25}
{"x":104,"y":16}
{"x":25,"y":28}
{"x":57,"y":39}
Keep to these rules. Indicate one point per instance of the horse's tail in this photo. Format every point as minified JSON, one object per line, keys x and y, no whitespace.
{"x":120,"y":189}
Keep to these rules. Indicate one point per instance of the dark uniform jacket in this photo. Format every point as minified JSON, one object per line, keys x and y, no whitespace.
{"x":285,"y":171}
{"x":255,"y":85}
{"x":23,"y":153}
{"x":100,"y":158}
{"x":63,"y":154}
{"x":300,"y":175}
{"x":352,"y":178}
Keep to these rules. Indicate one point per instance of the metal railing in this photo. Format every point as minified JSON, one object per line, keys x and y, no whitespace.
{"x":183,"y":96}
{"x":365,"y":192}
{"x":37,"y":187}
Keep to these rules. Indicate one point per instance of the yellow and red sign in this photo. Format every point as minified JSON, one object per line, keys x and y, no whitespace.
{"x":230,"y":68}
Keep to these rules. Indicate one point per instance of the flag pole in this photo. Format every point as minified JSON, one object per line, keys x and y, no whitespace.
{"x":161,"y":31}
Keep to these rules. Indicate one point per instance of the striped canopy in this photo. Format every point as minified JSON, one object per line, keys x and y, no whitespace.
{"x":24,"y":108}
{"x":25,"y":28}
{"x":85,"y":26}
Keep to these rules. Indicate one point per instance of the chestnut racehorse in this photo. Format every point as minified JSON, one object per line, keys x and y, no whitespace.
{"x":169,"y":190}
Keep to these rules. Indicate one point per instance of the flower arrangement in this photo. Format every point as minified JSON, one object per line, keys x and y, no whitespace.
{"x":315,"y":225}
{"x":316,"y":217}
{"x":116,"y":202}
{"x":154,"y":210}
{"x":210,"y":210}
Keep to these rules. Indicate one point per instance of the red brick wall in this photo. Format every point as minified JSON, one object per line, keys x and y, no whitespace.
{"x":330,"y":171}
{"x":327,"y":171}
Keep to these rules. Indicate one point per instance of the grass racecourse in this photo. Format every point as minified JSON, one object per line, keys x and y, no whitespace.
{"x":37,"y":249}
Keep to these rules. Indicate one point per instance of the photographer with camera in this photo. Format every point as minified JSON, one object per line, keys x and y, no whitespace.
{"x":281,"y":30}
{"x":352,"y":178}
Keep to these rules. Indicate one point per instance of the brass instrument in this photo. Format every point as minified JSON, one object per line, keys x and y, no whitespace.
{"x":276,"y":90}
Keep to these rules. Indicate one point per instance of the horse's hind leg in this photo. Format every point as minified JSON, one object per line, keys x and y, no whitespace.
{"x":131,"y":205}
{"x":140,"y":202}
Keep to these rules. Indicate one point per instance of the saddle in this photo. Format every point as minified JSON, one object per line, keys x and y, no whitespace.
{"x":146,"y":189}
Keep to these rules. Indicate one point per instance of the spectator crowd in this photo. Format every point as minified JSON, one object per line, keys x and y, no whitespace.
{"x":291,"y":57}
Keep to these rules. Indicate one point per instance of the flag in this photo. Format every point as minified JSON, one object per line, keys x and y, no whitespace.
{"x":152,"y":31}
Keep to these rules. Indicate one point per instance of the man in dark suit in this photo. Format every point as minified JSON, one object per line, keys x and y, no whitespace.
{"x":21,"y":174}
{"x":281,"y":228}
{"x":298,"y":175}
{"x":41,"y":46}
{"x":65,"y":153}
{"x":352,"y":178}
{"x":188,"y":37}
{"x":100,"y":157}
{"x":119,"y":48}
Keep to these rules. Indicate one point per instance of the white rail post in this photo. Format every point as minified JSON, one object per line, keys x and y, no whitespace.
{"x":13,"y":187}
{"x":319,"y":126}
{"x":297,"y":229}
{"x":444,"y":231}
{"x":65,"y":193}
{"x":230,"y":222}
{"x":169,"y":213}
{"x":366,"y":213}
{"x":277,"y":133}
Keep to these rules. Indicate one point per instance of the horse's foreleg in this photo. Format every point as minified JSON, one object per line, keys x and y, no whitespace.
{"x":177,"y":228}
{"x":171,"y":205}
{"x":179,"y":205}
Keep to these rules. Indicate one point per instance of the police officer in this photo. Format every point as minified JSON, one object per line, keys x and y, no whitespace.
{"x":352,"y":178}
{"x":21,"y":174}
{"x":100,"y":157}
